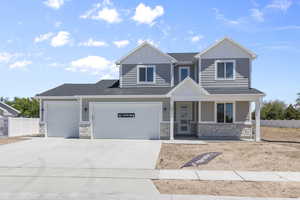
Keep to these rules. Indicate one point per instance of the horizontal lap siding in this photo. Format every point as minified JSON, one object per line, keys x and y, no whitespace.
{"x":208,"y":71}
{"x":162,"y":76}
{"x":242,"y":111}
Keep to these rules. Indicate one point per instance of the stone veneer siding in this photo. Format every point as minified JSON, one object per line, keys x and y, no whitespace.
{"x":165,"y":130}
{"x":216,"y":130}
{"x":85,"y":130}
{"x":43,"y":128}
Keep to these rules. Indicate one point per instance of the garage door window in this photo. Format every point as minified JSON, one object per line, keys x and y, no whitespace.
{"x":146,"y":74}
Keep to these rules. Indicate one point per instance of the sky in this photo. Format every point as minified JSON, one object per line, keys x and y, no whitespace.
{"x":46,"y":43}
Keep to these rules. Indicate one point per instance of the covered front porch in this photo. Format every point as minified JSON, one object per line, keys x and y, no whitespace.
{"x":195,"y":112}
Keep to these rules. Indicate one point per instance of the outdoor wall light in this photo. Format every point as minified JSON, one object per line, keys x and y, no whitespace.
{"x":85,"y":109}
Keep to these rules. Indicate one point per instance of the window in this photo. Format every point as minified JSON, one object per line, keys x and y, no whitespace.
{"x":225,"y":70}
{"x":146,"y":73}
{"x":224,"y":112}
{"x":183,"y":73}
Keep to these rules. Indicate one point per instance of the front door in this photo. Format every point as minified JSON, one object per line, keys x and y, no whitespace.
{"x":184,"y":117}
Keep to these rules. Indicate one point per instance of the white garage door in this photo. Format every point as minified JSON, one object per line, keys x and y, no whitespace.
{"x":126,"y":120}
{"x":62,"y":118}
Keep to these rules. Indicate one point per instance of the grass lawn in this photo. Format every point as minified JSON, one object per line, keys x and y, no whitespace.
{"x":229,"y":188}
{"x":250,"y":156}
{"x":11,"y":140}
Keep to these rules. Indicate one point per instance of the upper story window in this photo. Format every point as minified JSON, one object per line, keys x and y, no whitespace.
{"x":225,"y":70}
{"x":146,"y":74}
{"x":225,"y":112}
{"x":183,"y":73}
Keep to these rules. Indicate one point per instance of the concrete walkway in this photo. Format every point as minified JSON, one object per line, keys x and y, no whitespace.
{"x":75,"y":195}
{"x":151,"y":174}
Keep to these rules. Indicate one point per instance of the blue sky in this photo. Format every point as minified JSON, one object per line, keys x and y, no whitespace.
{"x":50,"y":42}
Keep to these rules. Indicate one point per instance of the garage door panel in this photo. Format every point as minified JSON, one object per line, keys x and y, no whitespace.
{"x":144,"y":125}
{"x":62,"y":119}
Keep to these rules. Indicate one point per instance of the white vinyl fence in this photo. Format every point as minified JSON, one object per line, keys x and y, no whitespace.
{"x":281,"y":123}
{"x":22,"y":126}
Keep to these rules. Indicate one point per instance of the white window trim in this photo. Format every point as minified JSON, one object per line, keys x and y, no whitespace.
{"x":233,"y":112}
{"x":138,"y":74}
{"x":225,"y":61}
{"x":188,"y":69}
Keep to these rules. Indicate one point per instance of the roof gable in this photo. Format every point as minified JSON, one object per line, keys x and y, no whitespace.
{"x":226,"y":48}
{"x":187,"y":89}
{"x":146,"y":54}
{"x":10,"y":110}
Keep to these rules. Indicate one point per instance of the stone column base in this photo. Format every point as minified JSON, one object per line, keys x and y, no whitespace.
{"x":85,"y":130}
{"x":216,"y":130}
{"x":165,"y":130}
{"x":43,"y":129}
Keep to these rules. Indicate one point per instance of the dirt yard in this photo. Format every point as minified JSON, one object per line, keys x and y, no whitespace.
{"x":11,"y":140}
{"x":229,"y":188}
{"x":250,"y":156}
{"x":281,"y":134}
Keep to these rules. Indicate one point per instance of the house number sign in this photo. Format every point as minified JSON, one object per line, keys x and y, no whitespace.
{"x":126,"y":115}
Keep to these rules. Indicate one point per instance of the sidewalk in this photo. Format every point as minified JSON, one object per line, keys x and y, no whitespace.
{"x":94,"y":196}
{"x":152,"y":174}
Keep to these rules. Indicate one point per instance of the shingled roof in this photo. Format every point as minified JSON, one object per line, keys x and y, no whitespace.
{"x":111,"y":87}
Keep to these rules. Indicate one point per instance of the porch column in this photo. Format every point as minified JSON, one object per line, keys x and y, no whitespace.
{"x":257,"y":119}
{"x":171,"y":118}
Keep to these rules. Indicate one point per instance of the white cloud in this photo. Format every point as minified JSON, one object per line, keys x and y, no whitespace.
{"x":57,"y":24}
{"x":146,"y":15}
{"x":220,"y":16}
{"x":5,"y":57}
{"x":55,"y":4}
{"x":107,"y":13}
{"x":196,"y":38}
{"x":290,"y":27}
{"x":43,"y":37}
{"x":257,"y":15}
{"x":20,"y":64}
{"x":140,"y":41}
{"x":93,"y":43}
{"x":121,"y":43}
{"x":95,"y":65}
{"x":62,"y":38}
{"x":282,"y":5}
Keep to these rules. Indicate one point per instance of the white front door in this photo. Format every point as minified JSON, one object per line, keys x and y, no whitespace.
{"x":184,"y":117}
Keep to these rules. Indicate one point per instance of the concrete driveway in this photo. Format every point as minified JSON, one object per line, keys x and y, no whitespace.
{"x":80,"y":153}
{"x":56,"y":168}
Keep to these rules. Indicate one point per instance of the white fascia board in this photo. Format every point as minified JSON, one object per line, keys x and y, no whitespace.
{"x":252,"y":54}
{"x":118,"y":62}
{"x":56,"y":97}
{"x":122,"y":96}
{"x":187,"y":79}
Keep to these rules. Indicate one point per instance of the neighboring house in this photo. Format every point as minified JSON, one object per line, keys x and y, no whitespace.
{"x":7,"y":111}
{"x":161,"y":95}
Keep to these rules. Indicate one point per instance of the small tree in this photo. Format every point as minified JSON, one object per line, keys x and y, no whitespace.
{"x":291,"y":113}
{"x":273,"y":110}
{"x":29,"y":107}
{"x":298,"y":102}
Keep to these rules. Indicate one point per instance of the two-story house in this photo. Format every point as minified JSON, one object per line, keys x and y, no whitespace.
{"x":161,"y":95}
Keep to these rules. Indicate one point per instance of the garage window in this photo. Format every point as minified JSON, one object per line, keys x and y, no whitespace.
{"x":146,"y":74}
